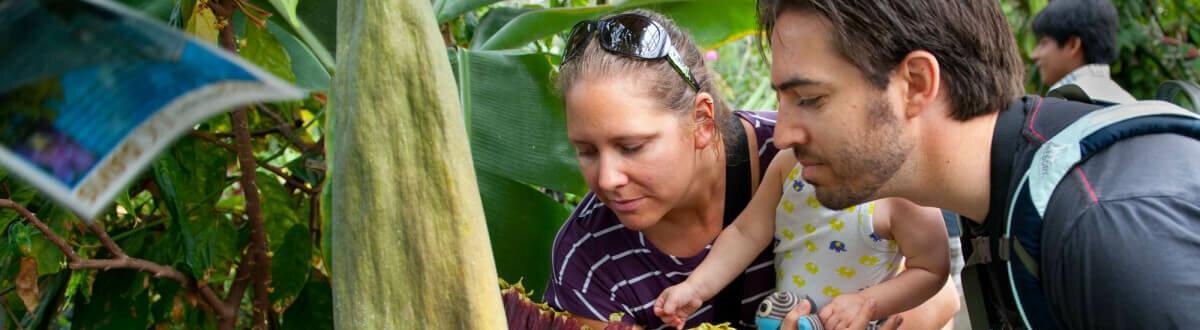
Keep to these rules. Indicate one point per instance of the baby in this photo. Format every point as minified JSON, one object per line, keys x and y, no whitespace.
{"x":839,"y":259}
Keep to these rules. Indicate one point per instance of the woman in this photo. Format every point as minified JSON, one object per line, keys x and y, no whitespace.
{"x":669,"y":166}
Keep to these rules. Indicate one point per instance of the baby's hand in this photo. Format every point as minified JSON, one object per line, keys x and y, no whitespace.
{"x":842,"y":310}
{"x":676,"y":303}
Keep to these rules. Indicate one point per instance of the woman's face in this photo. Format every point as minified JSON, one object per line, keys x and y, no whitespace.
{"x":637,"y":157}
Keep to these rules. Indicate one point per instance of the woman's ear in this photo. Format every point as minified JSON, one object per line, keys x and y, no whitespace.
{"x":704,"y":124}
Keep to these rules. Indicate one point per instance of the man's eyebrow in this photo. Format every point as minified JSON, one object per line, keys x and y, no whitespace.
{"x":793,"y":83}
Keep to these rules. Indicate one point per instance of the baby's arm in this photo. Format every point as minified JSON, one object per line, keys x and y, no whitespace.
{"x":920,"y":233}
{"x":735,"y":248}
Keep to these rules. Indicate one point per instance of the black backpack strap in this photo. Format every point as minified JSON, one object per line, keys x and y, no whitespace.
{"x":985,"y":284}
{"x":982,"y":290}
{"x":738,"y":183}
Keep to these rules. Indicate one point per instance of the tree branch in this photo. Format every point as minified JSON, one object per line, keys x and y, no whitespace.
{"x":291,"y":181}
{"x":259,"y":261}
{"x":120,"y":260}
{"x":258,"y":133}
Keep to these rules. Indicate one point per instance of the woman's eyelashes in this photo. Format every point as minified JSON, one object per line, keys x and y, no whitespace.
{"x":631,"y":149}
{"x":584,"y":152}
{"x":588,"y":152}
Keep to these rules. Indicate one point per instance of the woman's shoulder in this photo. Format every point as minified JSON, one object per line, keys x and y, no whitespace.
{"x":763,"y":124}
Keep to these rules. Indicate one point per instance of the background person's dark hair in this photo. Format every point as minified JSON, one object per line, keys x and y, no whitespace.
{"x":663,"y":83}
{"x":981,"y":69}
{"x":1093,"y":21}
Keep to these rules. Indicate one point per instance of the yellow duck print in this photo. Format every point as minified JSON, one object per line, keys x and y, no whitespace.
{"x":798,"y":281}
{"x":812,"y":268}
{"x":868,"y":260}
{"x":787,"y":233}
{"x":792,"y":175}
{"x":809,"y":228}
{"x":812,"y":247}
{"x":831,"y":291}
{"x":891,"y":246}
{"x":813,"y":203}
{"x":787,"y":254}
{"x":788,"y":206}
{"x":837,"y":224}
{"x":851,"y":209}
{"x":846,"y":272}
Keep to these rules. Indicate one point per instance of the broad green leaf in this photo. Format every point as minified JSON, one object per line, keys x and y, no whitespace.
{"x":265,"y":51}
{"x":539,"y":24}
{"x":449,"y":9}
{"x":290,"y":267}
{"x":215,"y":246}
{"x":517,"y":125}
{"x":308,"y":71}
{"x":280,"y":210}
{"x":191,"y":177}
{"x":493,"y":21}
{"x":522,"y":223}
{"x":20,"y":237}
{"x":287,"y":9}
{"x":313,"y":309}
{"x":321,"y":18}
{"x":50,"y":258}
{"x":111,"y":306}
{"x":710,"y":22}
{"x":21,"y":194}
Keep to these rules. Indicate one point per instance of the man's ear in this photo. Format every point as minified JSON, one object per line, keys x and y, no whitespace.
{"x":704,"y":124}
{"x":1074,"y":46}
{"x":921,"y":80}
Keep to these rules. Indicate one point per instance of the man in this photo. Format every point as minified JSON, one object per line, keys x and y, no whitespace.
{"x":1077,"y":39}
{"x":922,"y":100}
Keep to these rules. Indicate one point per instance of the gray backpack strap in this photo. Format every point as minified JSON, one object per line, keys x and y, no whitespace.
{"x":1058,"y":155}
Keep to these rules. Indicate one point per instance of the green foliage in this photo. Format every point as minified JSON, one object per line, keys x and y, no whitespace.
{"x":313,"y":309}
{"x":118,"y":302}
{"x":264,"y":50}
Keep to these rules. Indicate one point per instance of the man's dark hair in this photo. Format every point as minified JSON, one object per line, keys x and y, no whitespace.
{"x":1093,"y":21}
{"x":971,"y":39}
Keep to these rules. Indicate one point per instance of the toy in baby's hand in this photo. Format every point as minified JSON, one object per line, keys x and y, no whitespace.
{"x":773,"y":308}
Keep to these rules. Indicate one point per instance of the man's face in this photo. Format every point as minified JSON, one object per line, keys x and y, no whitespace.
{"x":1055,"y":61}
{"x":844,"y":130}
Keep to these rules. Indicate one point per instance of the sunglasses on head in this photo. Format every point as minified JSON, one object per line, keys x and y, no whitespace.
{"x":631,"y":35}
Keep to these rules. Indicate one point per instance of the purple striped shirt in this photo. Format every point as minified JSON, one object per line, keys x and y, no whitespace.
{"x":599,"y":267}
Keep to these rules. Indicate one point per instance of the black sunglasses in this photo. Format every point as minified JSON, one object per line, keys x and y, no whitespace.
{"x":631,"y":35}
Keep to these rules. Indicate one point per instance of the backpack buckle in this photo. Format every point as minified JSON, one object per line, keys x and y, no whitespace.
{"x":981,"y":251}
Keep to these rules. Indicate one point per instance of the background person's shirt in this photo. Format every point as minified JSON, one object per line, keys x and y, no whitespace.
{"x":1090,"y":83}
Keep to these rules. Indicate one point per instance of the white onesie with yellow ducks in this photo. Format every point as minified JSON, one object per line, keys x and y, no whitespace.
{"x":823,"y":253}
